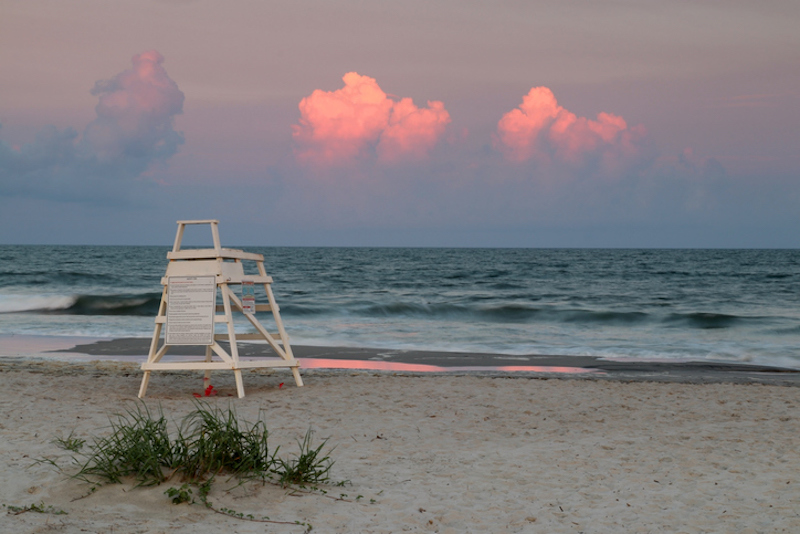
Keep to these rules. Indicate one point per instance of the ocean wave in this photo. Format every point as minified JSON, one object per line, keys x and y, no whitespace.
{"x":605,"y":317}
{"x":143,"y":304}
{"x":498,"y":313}
{"x":410,"y":309}
{"x":304,"y":310}
{"x":509,"y":313}
{"x":24,"y":276}
{"x":791,"y":330}
{"x":703,"y":321}
{"x":27,"y":303}
{"x":480,"y":311}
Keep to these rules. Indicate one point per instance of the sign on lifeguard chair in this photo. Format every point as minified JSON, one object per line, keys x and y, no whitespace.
{"x":189,"y":311}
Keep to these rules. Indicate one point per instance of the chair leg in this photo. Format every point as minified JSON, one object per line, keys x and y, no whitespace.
{"x":239,"y":383}
{"x":143,"y":387}
{"x":207,"y":375}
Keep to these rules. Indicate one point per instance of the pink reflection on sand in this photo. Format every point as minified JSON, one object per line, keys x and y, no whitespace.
{"x":371,"y":365}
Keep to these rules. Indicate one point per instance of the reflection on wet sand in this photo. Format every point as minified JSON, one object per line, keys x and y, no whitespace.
{"x":319,"y":363}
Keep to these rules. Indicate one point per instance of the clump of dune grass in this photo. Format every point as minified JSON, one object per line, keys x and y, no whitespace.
{"x":211,"y":441}
{"x":70,"y":443}
{"x":208,"y":442}
{"x":309,"y":466}
{"x":139,"y":446}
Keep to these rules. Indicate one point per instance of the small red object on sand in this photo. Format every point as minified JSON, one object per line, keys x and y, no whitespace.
{"x":210,"y":391}
{"x":197,"y":395}
{"x":280,"y":385}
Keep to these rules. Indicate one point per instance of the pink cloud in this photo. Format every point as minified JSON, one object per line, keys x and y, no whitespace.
{"x":135,"y":111}
{"x":412,"y":131}
{"x":351,"y":122}
{"x":542,"y":130}
{"x":132,"y":132}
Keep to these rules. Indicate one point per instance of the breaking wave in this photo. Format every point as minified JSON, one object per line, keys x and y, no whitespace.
{"x":519,"y":313}
{"x":142,"y":304}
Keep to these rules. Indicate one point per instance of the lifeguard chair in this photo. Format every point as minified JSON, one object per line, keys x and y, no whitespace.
{"x":189,"y":311}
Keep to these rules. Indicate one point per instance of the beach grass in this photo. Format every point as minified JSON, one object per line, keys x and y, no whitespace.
{"x":309,"y":466}
{"x":208,"y":442}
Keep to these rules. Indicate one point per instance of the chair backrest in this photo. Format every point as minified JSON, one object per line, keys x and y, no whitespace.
{"x":214,"y":233}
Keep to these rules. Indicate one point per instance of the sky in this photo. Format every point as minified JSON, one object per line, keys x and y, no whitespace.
{"x":460,"y":123}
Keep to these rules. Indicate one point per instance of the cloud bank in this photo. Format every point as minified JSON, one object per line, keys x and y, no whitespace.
{"x":545,"y":132}
{"x":133,"y":130}
{"x":360,"y":121}
{"x":538,"y":175}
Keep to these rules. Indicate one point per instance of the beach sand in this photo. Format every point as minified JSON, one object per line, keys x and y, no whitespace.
{"x":428,"y":453}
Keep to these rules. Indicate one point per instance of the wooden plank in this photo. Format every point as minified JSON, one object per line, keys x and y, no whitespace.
{"x":222,"y":280}
{"x":248,"y":337}
{"x":178,"y":237}
{"x":259,"y":307}
{"x":249,"y":278}
{"x":226,"y":301}
{"x":143,"y":387}
{"x":199,"y":365}
{"x":298,"y":380}
{"x":277,"y":348}
{"x":210,"y":253}
{"x":190,"y":365}
{"x":193,"y":268}
{"x":231,"y":270}
{"x":162,"y":310}
{"x":200,"y":221}
{"x":274,"y":362}
{"x":219,"y":351}
{"x":158,"y":355}
{"x":215,"y":238}
{"x":207,"y":373}
{"x":217,"y":319}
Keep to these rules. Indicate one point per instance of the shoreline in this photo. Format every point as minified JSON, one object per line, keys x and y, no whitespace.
{"x":318,"y":359}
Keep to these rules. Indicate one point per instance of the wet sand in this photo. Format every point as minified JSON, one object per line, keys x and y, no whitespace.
{"x":493,"y":364}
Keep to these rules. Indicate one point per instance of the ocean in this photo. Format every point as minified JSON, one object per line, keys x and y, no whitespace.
{"x":727,"y":305}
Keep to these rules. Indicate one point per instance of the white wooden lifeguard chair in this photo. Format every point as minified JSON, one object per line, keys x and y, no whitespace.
{"x":189,"y":312}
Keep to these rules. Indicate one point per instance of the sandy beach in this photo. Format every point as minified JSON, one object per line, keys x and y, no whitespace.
{"x":428,"y":453}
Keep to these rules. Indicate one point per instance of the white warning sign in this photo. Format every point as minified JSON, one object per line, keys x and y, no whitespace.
{"x":248,"y":297}
{"x":191,"y":302}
